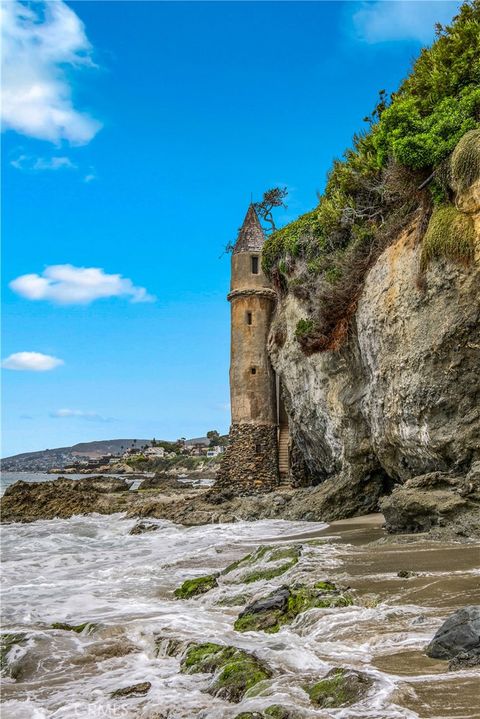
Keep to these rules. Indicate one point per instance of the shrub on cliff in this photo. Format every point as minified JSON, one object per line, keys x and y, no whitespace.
{"x":395,"y":172}
{"x":450,"y":234}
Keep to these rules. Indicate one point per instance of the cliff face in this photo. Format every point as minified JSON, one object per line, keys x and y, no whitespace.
{"x":401,"y":397}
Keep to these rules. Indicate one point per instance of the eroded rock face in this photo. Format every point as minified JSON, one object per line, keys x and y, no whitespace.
{"x":434,"y":500}
{"x":401,"y":397}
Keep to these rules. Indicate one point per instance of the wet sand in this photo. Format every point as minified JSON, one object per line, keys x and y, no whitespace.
{"x":445,"y":577}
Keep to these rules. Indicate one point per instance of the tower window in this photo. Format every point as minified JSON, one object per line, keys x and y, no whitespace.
{"x":258,"y":449}
{"x":253,"y":370}
{"x":254,"y":265}
{"x":249,"y":318}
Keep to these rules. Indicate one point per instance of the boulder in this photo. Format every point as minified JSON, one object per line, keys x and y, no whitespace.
{"x":8,"y":644}
{"x":283,"y":605}
{"x":339,"y":688}
{"x":459,"y":633}
{"x":143,"y":527}
{"x":267,"y":562}
{"x":134,"y":690}
{"x":432,"y":500}
{"x":465,"y":660}
{"x":235,"y":670}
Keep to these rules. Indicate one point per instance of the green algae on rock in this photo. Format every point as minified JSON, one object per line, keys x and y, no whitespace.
{"x":269,"y":555}
{"x":283,"y":605}
{"x":236,"y":671}
{"x":325,"y":585}
{"x":233,"y":601}
{"x":78,"y":628}
{"x":7,"y":643}
{"x":248,"y":559}
{"x":194,"y":587}
{"x":275,"y":711}
{"x":339,"y":688}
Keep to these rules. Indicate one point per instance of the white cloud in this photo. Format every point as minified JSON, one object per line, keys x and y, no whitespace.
{"x":53,"y":163}
{"x":384,"y":20}
{"x":39,"y":42}
{"x":31,"y":362}
{"x":90,"y":177}
{"x":69,"y":285}
{"x":90,"y":416}
{"x":28,"y":163}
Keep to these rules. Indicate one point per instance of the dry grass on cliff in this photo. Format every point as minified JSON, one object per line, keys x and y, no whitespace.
{"x":465,"y":162}
{"x":336,"y":302}
{"x":450,"y":234}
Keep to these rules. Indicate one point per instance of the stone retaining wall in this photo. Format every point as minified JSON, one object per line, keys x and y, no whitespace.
{"x":250,"y":463}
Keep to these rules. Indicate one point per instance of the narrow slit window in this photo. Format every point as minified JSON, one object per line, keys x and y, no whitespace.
{"x":253,"y":370}
{"x":258,"y":449}
{"x":254,"y":265}
{"x":249,"y":318}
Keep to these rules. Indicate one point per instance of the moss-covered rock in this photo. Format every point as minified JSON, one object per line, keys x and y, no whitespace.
{"x":267,"y":573}
{"x":168,"y":646}
{"x":265,"y":556}
{"x":143,"y":527}
{"x":339,"y":688}
{"x":78,"y":628}
{"x":7,"y":643}
{"x":194,"y":587}
{"x":325,"y":585}
{"x":135,"y":690}
{"x":235,"y":600}
{"x":281,"y":606}
{"x":248,"y":559}
{"x":275,"y":711}
{"x":235,"y":670}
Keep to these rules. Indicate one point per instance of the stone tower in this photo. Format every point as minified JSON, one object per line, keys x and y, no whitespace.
{"x":251,"y":460}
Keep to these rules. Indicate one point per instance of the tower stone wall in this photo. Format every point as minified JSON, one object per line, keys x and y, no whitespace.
{"x":250,"y":463}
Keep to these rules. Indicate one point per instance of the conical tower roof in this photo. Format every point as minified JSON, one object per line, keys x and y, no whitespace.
{"x":250,"y":236}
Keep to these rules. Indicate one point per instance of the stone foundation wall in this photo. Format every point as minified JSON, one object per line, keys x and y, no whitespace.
{"x":250,"y":463}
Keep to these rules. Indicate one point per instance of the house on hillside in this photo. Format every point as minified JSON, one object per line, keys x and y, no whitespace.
{"x":215,"y":451}
{"x":155,"y":452}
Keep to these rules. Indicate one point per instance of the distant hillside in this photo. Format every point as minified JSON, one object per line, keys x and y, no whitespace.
{"x":63,"y":456}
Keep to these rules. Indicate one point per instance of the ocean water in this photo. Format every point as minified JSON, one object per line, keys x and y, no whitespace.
{"x":91,"y":569}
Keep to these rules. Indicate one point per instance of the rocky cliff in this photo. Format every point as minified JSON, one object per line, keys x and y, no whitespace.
{"x":399,"y":398}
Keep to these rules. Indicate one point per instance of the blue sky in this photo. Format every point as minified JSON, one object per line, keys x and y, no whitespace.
{"x":134,"y":133}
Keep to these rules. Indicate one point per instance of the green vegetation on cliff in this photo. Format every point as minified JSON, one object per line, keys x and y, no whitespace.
{"x":396,"y":172}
